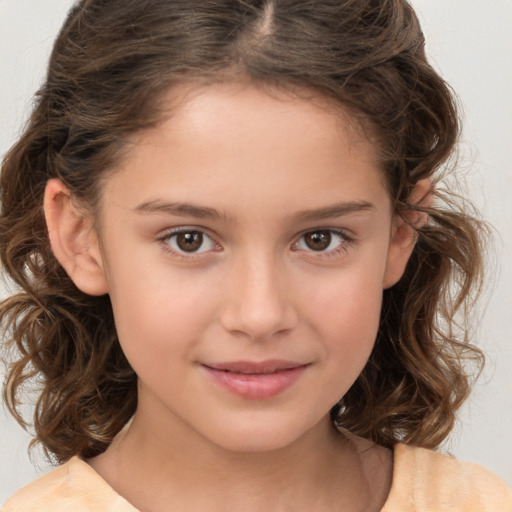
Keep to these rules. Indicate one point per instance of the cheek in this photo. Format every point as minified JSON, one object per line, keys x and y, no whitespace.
{"x":345,"y":314}
{"x":348,"y":298}
{"x":351,"y":324}
{"x":158,"y":314}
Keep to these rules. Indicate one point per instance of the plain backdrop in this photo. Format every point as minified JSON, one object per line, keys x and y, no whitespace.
{"x":470,"y":43}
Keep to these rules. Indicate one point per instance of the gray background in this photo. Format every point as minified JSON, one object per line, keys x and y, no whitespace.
{"x":469,"y":41}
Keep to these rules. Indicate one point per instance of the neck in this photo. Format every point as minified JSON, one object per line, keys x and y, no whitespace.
{"x":321,"y":469}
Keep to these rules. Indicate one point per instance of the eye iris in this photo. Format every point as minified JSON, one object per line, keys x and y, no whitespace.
{"x":318,"y":240}
{"x":190,"y":241}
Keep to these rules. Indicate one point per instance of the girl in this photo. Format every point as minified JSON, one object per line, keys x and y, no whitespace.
{"x":238,"y":282}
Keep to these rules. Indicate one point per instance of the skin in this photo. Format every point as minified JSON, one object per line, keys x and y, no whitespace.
{"x":274,"y":167}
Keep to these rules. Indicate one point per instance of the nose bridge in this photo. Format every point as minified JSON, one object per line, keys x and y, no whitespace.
{"x":259,"y":303}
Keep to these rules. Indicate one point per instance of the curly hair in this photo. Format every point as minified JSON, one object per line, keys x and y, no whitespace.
{"x":111,"y":62}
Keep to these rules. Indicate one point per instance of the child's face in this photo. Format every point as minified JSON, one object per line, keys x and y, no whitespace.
{"x":245,"y":245}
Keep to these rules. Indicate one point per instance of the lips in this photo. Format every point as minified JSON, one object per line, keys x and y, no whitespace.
{"x":249,"y":367}
{"x":256,"y":380}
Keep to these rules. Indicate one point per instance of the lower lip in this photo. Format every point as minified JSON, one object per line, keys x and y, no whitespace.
{"x":256,"y":386}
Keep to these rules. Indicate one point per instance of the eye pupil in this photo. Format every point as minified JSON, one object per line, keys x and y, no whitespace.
{"x":190,"y":241}
{"x":318,"y":240}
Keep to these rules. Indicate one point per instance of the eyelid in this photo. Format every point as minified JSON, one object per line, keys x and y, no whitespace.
{"x":346,"y":241}
{"x":171,"y":232}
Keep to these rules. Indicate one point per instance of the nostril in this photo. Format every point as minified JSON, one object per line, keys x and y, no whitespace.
{"x":259,"y":325}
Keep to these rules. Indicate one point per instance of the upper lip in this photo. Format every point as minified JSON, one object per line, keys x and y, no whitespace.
{"x":253,"y":367}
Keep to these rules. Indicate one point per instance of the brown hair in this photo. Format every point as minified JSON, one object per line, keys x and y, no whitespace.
{"x":111,"y":62}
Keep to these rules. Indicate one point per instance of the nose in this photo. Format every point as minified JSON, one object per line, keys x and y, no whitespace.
{"x":258,"y":301}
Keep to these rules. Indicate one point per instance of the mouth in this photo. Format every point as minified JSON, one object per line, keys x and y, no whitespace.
{"x":255,"y":368}
{"x":256,"y":380}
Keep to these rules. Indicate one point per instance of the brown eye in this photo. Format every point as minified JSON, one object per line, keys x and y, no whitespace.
{"x":189,"y":242}
{"x":318,"y":240}
{"x":192,"y":241}
{"x":322,"y":240}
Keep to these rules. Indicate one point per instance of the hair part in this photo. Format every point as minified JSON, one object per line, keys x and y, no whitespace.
{"x":111,"y":63}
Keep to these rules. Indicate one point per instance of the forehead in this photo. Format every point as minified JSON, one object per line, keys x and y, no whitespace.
{"x":242,"y":103}
{"x":242,"y":141}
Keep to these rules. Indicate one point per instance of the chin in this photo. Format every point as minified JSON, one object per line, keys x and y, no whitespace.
{"x":262,"y":435}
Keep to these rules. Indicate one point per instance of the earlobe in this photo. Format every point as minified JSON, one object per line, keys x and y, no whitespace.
{"x":73,"y":240}
{"x":404,"y":232}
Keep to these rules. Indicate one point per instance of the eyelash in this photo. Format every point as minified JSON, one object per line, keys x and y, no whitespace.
{"x":343,"y":246}
{"x":166,"y":238}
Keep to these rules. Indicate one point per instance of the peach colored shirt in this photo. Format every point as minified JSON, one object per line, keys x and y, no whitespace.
{"x":423,"y":481}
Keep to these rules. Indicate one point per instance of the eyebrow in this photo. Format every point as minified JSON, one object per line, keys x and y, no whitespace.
{"x":333,"y":211}
{"x":204,"y":212}
{"x":179,"y":209}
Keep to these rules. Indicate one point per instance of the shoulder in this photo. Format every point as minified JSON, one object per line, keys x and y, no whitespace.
{"x":425,"y":480}
{"x":74,"y":486}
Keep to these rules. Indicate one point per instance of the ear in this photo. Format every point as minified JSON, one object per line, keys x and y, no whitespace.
{"x":73,"y":240}
{"x":404,"y":231}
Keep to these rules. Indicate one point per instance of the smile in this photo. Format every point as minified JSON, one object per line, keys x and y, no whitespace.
{"x":256,"y":381}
